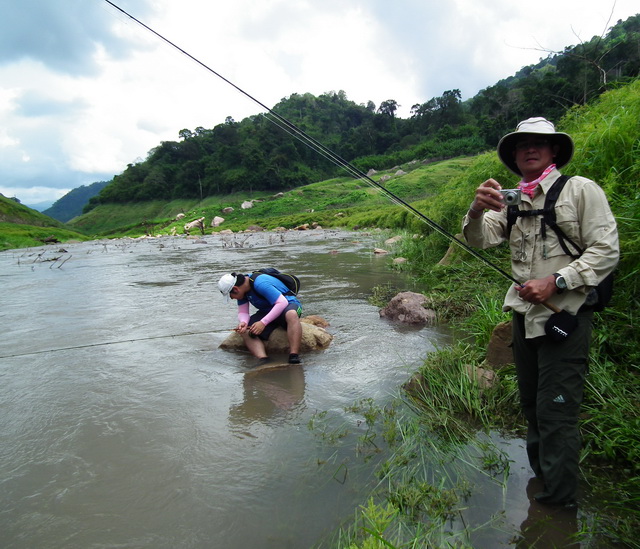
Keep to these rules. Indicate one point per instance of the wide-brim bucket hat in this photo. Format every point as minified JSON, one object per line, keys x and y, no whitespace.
{"x":535,"y":126}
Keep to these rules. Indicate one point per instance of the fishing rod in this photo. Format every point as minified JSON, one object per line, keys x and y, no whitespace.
{"x":105,"y":343}
{"x":324,"y":151}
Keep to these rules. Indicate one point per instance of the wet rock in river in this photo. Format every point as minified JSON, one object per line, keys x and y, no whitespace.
{"x":314,"y":338}
{"x":499,"y":351}
{"x":408,"y":307}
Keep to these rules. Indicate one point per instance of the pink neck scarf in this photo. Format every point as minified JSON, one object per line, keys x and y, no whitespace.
{"x":530,"y":187}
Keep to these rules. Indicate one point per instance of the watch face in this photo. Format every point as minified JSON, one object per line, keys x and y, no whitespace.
{"x":561,"y":283}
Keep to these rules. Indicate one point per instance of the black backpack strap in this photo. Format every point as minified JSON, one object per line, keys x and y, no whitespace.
{"x":549,"y":218}
{"x":252,"y":279}
{"x":548,"y":214}
{"x":513,"y":213}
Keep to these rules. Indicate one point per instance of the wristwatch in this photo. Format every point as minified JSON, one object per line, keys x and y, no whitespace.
{"x":561,"y":283}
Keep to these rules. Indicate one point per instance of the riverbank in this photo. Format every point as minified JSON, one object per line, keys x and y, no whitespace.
{"x":449,"y":418}
{"x":470,"y":295}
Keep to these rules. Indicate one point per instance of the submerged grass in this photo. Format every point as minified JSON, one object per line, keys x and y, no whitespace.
{"x":421,"y":498}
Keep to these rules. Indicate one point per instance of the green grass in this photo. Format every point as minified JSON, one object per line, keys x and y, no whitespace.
{"x":13,"y":235}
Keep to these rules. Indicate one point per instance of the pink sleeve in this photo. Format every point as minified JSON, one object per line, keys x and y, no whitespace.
{"x":243,"y":312}
{"x":279,"y":306}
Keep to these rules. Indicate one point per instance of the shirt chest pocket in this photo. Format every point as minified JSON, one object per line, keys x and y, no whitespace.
{"x":518,"y":243}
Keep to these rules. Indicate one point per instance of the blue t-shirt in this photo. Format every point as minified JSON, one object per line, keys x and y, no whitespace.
{"x":265,"y":292}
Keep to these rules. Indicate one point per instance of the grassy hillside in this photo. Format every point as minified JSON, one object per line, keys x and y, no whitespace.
{"x":14,"y":212}
{"x":344,"y":202}
{"x":21,"y":227}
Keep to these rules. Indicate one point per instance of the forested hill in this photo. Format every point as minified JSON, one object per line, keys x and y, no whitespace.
{"x":256,"y":154}
{"x":71,"y":204}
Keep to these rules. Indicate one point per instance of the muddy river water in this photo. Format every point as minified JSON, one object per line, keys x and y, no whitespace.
{"x":122,"y":424}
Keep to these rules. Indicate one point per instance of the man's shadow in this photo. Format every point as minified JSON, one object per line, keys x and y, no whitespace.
{"x":270,"y":396}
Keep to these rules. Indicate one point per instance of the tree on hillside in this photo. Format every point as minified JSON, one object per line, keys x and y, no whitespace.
{"x":445,"y":110}
{"x":388,"y":107}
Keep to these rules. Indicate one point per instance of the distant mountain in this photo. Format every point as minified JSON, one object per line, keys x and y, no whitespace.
{"x":71,"y":204}
{"x":40,"y":206}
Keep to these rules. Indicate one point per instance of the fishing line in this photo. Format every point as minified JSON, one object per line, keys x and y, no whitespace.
{"x":103,"y":344}
{"x":324,"y":151}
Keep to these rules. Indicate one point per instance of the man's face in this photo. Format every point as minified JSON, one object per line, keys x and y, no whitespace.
{"x":533,"y":155}
{"x":237,"y":292}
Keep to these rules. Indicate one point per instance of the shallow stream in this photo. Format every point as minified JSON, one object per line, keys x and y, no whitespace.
{"x":122,"y":424}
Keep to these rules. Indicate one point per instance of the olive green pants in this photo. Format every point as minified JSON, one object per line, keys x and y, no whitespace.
{"x":551,"y":379}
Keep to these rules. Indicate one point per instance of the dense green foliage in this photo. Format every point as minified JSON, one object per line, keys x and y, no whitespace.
{"x":340,"y":202}
{"x":257,"y":155}
{"x":71,"y":204}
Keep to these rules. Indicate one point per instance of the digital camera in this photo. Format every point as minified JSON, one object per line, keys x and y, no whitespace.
{"x":511,"y":197}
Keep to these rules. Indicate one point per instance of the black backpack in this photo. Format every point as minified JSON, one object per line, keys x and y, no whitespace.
{"x":291,"y":281}
{"x":604,"y":290}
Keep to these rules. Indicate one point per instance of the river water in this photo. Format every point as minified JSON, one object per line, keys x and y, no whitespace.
{"x":123,"y":424}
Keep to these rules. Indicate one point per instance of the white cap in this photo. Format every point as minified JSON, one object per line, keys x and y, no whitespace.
{"x":225,"y":285}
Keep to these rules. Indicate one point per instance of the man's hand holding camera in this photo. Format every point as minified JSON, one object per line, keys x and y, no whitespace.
{"x":488,"y":197}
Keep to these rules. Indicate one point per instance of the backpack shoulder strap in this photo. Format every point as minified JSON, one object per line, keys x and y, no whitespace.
{"x":252,"y":280}
{"x":512,"y":215}
{"x":552,"y":197}
{"x":549,"y":218}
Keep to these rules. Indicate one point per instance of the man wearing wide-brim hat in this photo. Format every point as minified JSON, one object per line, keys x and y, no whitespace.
{"x":551,"y":371}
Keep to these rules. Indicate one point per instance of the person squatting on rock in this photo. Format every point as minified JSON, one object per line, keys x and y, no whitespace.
{"x":275,"y":308}
{"x":551,"y":374}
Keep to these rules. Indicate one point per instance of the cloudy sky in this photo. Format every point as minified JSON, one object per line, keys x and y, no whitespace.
{"x":84,"y":90}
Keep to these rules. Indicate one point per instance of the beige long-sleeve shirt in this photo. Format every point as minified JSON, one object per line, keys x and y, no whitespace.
{"x":583,"y":213}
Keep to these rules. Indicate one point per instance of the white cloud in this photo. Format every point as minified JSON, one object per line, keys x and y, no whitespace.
{"x":33,"y":195}
{"x":7,"y":141}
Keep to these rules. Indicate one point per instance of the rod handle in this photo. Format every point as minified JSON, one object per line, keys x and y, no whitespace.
{"x":551,"y":307}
